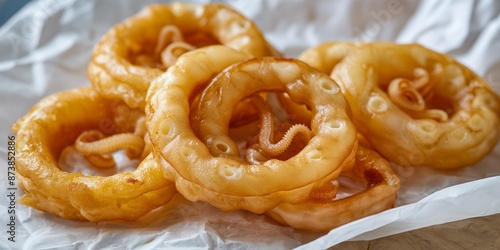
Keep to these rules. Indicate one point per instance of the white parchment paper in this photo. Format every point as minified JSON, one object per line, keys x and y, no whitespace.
{"x":45,"y":49}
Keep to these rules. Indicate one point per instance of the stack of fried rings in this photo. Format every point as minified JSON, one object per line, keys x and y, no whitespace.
{"x":117,"y":75}
{"x":117,"y":68}
{"x":304,"y":85}
{"x":228,"y":182}
{"x":190,"y":106}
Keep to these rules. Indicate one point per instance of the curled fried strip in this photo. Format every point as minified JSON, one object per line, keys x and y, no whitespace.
{"x":98,"y":159}
{"x":172,"y":52}
{"x":413,"y":95}
{"x":422,"y":80}
{"x":170,"y":46}
{"x":267,"y":130}
{"x":403,"y":94}
{"x":168,"y":34}
{"x":323,"y":215}
{"x":128,"y":141}
{"x":97,"y":148}
{"x":435,"y":114}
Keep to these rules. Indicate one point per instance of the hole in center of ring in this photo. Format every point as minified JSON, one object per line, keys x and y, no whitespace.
{"x":222,"y":147}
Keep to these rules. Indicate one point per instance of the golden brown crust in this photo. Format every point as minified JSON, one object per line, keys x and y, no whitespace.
{"x":379,"y":195}
{"x":228,"y":182}
{"x":54,"y":123}
{"x":113,"y":71}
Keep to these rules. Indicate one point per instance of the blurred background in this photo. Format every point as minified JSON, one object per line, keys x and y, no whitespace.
{"x":9,"y":8}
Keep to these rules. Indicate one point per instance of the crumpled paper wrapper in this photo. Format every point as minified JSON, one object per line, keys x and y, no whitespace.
{"x":45,"y":49}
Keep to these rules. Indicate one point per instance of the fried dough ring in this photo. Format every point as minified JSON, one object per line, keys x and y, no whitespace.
{"x":380,"y":194}
{"x":112,"y":70}
{"x":457,"y":128}
{"x":228,"y":182}
{"x":53,"y":124}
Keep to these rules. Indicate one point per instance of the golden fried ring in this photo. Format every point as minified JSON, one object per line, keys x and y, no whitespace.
{"x":228,"y":182}
{"x":112,"y":70}
{"x":55,"y":123}
{"x":459,"y":125}
{"x":380,"y":194}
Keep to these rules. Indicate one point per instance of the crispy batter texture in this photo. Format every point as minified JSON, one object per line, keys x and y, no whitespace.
{"x":380,"y":194}
{"x":228,"y":182}
{"x":53,"y":124}
{"x":458,"y":125}
{"x":437,"y":108}
{"x":123,"y":62}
